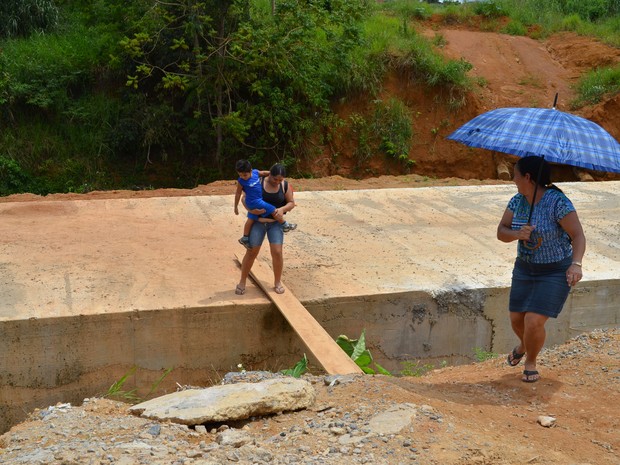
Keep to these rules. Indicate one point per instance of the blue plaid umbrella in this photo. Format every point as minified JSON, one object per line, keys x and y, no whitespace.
{"x":555,"y":135}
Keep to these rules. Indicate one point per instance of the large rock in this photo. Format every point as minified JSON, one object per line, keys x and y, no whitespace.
{"x":229,"y":402}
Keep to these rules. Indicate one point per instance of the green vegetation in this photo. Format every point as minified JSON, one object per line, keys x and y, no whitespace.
{"x":481,"y":354}
{"x":131,"y":396}
{"x":386,"y":130}
{"x":598,"y":18}
{"x":356,"y":349}
{"x":415,"y":368}
{"x":23,"y":17}
{"x":299,"y":369}
{"x":597,"y":84}
{"x":101,"y":94}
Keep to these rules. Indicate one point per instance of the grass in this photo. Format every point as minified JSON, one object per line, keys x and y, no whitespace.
{"x":595,"y":85}
{"x":409,"y":50}
{"x":415,"y":368}
{"x":116,"y":389}
{"x":482,"y":355}
{"x":584,"y":18}
{"x":532,"y":81}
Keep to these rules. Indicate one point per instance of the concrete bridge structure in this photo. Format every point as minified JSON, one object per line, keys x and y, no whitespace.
{"x":91,"y":288}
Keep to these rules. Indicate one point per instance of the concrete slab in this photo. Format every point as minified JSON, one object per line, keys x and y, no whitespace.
{"x":91,"y":288}
{"x":101,"y":256}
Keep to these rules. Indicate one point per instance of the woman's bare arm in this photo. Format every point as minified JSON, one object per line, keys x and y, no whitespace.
{"x":571,"y":224}
{"x":505,"y":233}
{"x":290,"y":203}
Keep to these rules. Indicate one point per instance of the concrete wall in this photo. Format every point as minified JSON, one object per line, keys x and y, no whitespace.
{"x":50,"y":360}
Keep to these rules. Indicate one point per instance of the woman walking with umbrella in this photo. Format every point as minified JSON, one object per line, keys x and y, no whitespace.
{"x":549,"y":254}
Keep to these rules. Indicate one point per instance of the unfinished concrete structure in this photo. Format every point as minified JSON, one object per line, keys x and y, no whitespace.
{"x":90,"y":289}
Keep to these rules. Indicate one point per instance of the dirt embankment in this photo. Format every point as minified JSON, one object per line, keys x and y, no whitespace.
{"x":513,"y":71}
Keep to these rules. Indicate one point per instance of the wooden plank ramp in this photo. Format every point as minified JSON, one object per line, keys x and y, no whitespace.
{"x":329,"y":354}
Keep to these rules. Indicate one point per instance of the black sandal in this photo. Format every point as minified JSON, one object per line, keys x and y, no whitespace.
{"x":530,"y":376}
{"x":514,"y":357}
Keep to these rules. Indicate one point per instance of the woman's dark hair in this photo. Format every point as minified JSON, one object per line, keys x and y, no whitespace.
{"x":278,"y":170}
{"x":535,"y":167}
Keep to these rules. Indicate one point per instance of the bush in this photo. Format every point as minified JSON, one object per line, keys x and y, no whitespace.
{"x":13,"y":179}
{"x":432,"y":68}
{"x":43,"y":70}
{"x":572,"y":23}
{"x":590,"y":10}
{"x":392,"y":124}
{"x":489,"y":9}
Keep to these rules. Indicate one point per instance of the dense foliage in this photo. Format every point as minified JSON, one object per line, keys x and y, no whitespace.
{"x":194,"y":84}
{"x":98,"y":94}
{"x":22,"y":17}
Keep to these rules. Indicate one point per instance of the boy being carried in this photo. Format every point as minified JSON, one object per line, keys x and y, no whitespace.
{"x":249,"y":181}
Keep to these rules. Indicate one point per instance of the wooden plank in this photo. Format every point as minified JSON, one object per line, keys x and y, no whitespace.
{"x":328,"y":353}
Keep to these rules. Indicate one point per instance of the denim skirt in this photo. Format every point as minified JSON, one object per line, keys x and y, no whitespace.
{"x":539,"y":287}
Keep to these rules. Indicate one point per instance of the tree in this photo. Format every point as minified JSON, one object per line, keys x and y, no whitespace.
{"x":244,"y":80}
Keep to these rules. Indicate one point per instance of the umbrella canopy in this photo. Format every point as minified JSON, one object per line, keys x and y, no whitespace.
{"x":557,"y":136}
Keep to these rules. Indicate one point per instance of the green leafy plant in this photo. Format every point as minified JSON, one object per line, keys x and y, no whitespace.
{"x":439,"y":40}
{"x":356,"y":349}
{"x":483,"y":355}
{"x":361,"y":132}
{"x":299,"y":369}
{"x":116,"y":389}
{"x":13,"y":179}
{"x":572,"y":23}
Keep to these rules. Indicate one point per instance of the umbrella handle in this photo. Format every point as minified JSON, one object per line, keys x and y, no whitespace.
{"x":527,"y":245}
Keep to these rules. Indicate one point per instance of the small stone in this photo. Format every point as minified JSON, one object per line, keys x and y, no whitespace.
{"x":546,"y":421}
{"x":154,"y":430}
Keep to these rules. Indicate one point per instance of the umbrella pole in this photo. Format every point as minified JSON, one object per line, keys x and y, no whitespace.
{"x":529,"y":219}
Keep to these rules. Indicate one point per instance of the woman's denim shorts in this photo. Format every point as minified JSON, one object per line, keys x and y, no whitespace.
{"x":273,"y":230}
{"x":539,"y":288}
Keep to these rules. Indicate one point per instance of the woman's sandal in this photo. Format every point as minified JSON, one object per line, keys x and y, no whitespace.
{"x":239,"y":290}
{"x":279,"y":289}
{"x":514,"y":357}
{"x":530,"y":376}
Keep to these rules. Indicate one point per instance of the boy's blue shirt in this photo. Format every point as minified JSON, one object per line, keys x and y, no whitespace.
{"x":252,"y":188}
